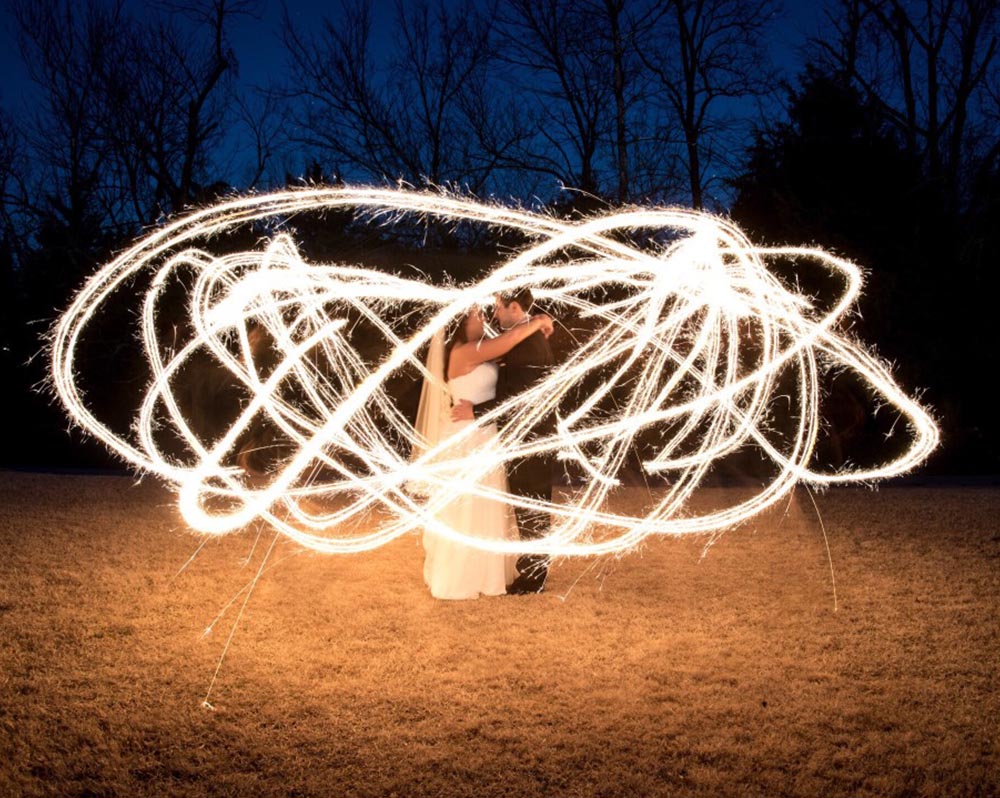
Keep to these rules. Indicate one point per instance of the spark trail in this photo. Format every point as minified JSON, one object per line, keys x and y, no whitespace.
{"x":693,"y":342}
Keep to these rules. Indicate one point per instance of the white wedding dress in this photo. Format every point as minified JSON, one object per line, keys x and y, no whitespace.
{"x":453,"y":570}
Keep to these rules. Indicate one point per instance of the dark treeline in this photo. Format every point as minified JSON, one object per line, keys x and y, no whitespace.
{"x":884,"y":149}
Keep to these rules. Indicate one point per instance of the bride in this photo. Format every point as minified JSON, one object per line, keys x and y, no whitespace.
{"x":468,"y":360}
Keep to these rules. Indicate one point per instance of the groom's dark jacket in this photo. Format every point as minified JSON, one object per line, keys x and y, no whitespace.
{"x":523,"y":366}
{"x":520,"y":369}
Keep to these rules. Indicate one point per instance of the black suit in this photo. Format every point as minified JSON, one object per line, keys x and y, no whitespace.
{"x":528,"y":477}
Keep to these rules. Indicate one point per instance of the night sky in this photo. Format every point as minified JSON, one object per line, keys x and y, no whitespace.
{"x":262,"y":57}
{"x":261,"y":53}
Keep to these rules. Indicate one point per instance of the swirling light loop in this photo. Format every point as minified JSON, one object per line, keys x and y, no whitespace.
{"x":691,"y":342}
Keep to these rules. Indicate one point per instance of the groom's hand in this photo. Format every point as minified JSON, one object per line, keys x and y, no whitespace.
{"x":547,"y":325}
{"x":462,"y":411}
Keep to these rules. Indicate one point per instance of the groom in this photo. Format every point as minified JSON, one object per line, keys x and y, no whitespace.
{"x":529,"y":477}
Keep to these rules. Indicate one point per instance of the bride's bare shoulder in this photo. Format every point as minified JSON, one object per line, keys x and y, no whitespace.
{"x":461,"y":362}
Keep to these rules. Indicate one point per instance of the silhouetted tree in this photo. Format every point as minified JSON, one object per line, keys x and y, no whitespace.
{"x":421,"y":116}
{"x":838,"y":174}
{"x":704,"y":55}
{"x":67,"y":50}
{"x":133,"y":111}
{"x":558,"y":60}
{"x":834,"y":174}
{"x":12,"y":186}
{"x":931,"y":70}
{"x":127,"y":126}
{"x":831,"y":173}
{"x":265,"y":117}
{"x":171,"y":100}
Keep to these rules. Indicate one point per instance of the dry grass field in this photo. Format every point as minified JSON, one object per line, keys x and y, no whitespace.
{"x":662,"y":673}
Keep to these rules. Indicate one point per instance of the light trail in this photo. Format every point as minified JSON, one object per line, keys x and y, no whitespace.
{"x":694,"y":342}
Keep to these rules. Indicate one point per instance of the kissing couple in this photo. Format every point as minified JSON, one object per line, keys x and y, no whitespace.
{"x":472,"y":374}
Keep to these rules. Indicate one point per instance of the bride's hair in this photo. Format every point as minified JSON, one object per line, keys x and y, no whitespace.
{"x":457,"y":336}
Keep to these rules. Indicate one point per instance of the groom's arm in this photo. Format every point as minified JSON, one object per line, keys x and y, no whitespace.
{"x":526,"y":363}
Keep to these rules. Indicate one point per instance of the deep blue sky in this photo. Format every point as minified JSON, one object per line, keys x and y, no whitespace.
{"x":261,"y":54}
{"x":260,"y":51}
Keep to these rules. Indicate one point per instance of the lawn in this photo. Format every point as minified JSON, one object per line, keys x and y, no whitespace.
{"x":675,"y":670}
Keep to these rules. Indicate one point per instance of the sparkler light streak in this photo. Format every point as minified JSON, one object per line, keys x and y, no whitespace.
{"x":694,"y":342}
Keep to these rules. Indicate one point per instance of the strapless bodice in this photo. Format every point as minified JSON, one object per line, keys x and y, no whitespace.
{"x":479,"y":385}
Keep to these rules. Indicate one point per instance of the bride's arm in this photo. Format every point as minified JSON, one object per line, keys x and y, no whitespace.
{"x":473,"y":353}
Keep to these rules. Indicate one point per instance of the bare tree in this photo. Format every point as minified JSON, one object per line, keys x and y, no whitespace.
{"x":67,"y":49}
{"x":615,"y":10}
{"x":422,"y":115}
{"x":610,"y":31}
{"x":8,"y":149}
{"x":489,"y":98}
{"x":640,"y":126}
{"x":496,"y":127}
{"x":264,"y":116}
{"x":930,"y":68}
{"x":132,"y":112}
{"x":173,"y":98}
{"x":707,"y":55}
{"x":567,"y":88}
{"x":12,"y":188}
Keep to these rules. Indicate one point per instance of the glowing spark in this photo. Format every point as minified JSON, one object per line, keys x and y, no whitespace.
{"x":693,"y":340}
